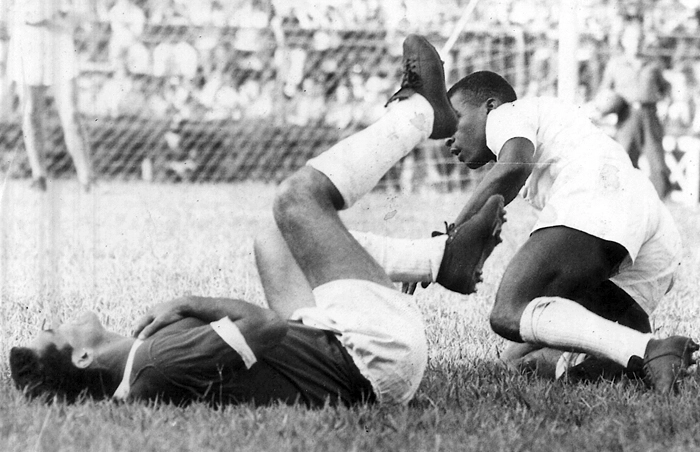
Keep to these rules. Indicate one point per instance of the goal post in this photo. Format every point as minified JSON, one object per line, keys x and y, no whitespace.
{"x":568,"y":45}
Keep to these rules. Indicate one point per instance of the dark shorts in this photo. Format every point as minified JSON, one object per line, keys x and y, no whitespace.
{"x":311,"y":366}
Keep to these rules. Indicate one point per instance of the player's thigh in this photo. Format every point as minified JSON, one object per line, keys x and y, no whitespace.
{"x":323,"y":247}
{"x":610,"y":301}
{"x":556,"y":261}
{"x":285,"y":286}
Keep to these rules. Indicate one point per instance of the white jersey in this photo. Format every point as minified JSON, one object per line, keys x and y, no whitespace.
{"x":42,"y":51}
{"x":584,"y":180}
{"x":562,"y":136}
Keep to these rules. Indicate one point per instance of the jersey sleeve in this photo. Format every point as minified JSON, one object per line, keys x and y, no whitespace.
{"x":511,"y":120}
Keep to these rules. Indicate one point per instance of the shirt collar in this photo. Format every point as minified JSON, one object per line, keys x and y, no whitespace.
{"x":125,"y":386}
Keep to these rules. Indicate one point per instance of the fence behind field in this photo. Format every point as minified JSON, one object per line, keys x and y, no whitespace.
{"x":215,"y":102}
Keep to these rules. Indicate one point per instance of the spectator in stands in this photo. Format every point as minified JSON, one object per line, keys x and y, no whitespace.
{"x":340,"y":111}
{"x":220,"y":98}
{"x":218,"y":93}
{"x":127,"y":22}
{"x":309,"y":104}
{"x":250,"y":14}
{"x":123,"y":95}
{"x":157,"y":11}
{"x":678,"y":114}
{"x":180,"y":95}
{"x":637,"y":85}
{"x":197,"y":13}
{"x":696,"y":97}
{"x":157,"y":98}
{"x":257,"y":97}
{"x":175,"y":59}
{"x":6,"y":94}
{"x":138,"y":59}
{"x":376,"y":88}
{"x":43,"y":56}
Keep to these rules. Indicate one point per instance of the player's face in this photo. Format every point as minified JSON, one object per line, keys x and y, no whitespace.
{"x":83,"y":331}
{"x":468,"y":143}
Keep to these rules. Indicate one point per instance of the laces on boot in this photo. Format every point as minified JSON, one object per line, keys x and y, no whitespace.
{"x":449,"y":227}
{"x":410,"y":77}
{"x":410,"y":288}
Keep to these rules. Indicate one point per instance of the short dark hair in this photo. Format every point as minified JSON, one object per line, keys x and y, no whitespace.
{"x":52,"y":375}
{"x":478,"y":87}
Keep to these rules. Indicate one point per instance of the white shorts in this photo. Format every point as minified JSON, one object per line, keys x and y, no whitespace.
{"x":382,"y":330}
{"x":41,"y":57}
{"x":620,"y":205}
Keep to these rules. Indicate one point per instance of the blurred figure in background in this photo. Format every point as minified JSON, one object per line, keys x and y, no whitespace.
{"x":127,"y":22}
{"x":632,"y":86}
{"x":42,"y":55}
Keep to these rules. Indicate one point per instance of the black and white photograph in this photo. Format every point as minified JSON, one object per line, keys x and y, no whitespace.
{"x":194,"y":195}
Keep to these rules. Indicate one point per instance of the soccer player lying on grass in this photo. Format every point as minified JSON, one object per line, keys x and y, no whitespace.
{"x":603,"y":251}
{"x":599,"y":260}
{"x":360,"y":340}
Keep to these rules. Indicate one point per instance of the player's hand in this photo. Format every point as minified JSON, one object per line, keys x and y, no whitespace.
{"x":161,"y":315}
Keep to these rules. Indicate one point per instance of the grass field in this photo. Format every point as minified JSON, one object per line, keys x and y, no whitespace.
{"x":128,"y":245}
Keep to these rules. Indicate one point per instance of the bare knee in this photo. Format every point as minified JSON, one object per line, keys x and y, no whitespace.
{"x":292,"y":197}
{"x":304,"y":192}
{"x":504,"y":323}
{"x":506,"y":313}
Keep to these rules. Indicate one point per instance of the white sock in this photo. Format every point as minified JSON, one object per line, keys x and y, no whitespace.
{"x":565,"y":324}
{"x":356,"y":163}
{"x":405,"y":260}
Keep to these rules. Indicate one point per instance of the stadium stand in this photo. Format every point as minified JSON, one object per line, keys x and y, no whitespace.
{"x":209,"y":90}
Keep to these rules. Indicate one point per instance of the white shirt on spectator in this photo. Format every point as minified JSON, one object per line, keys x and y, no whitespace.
{"x":127,"y":21}
{"x":175,"y":59}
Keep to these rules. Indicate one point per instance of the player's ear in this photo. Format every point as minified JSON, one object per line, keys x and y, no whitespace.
{"x":83,"y":358}
{"x":492,"y":103}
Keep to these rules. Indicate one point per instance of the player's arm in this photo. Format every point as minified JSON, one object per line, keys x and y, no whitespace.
{"x":261,"y":328}
{"x":506,"y":177}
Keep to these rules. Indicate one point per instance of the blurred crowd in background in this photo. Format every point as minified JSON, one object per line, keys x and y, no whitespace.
{"x":335,"y":62}
{"x":322,"y":65}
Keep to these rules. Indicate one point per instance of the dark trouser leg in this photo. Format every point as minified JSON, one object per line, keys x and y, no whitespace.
{"x":654,"y":152}
{"x":629,"y":135}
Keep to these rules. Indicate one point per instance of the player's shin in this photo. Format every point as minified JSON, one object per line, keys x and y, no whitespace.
{"x":357,"y":163}
{"x":405,"y":260}
{"x":564,"y":324}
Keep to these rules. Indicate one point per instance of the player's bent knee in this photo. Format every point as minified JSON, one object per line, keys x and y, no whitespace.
{"x":505,"y":321}
{"x":503,"y":327}
{"x":293,"y":196}
{"x":302,"y":191}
